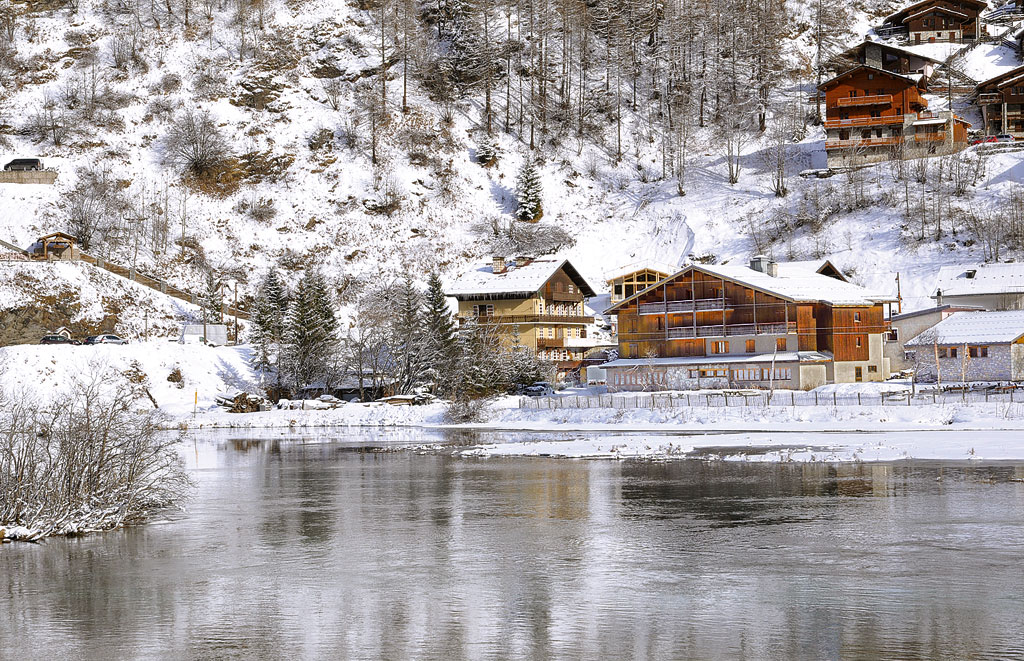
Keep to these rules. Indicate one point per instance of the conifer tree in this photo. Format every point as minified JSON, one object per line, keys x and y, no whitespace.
{"x":438,"y":331}
{"x":406,"y":333}
{"x":310,"y":335}
{"x":528,"y":193}
{"x":268,"y":320}
{"x":211,"y":300}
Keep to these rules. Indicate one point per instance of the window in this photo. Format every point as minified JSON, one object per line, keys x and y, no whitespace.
{"x":979,"y":352}
{"x":720,"y":347}
{"x":856,"y":317}
{"x":872,"y":369}
{"x":751,"y":348}
{"x":780,"y":344}
{"x":746,"y":374}
{"x":483,"y":310}
{"x":952,"y":352}
{"x":694,"y":374}
{"x":858,"y":373}
{"x":909,"y":356}
{"x":858,"y":343}
{"x":781,"y":374}
{"x":634,"y":351}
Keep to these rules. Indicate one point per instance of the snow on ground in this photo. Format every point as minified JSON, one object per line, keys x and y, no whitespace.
{"x":988,"y":60}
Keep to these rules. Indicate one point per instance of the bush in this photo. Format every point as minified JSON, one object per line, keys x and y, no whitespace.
{"x":465,"y":411}
{"x":196,"y":146}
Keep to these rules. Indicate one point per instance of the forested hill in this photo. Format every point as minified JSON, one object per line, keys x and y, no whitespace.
{"x":380,"y":138}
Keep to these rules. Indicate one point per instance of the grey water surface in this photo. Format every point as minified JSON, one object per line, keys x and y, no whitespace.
{"x":327,"y":548}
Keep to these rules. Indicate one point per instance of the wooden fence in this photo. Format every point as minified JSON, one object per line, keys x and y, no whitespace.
{"x":765,"y":399}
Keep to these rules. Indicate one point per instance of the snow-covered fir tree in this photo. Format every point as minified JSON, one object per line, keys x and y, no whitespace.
{"x":268,"y":320}
{"x":311,"y":333}
{"x":528,"y":193}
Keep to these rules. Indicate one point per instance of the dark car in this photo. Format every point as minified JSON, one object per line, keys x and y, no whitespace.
{"x":105,"y":339}
{"x":22,"y":164}
{"x":58,"y":339}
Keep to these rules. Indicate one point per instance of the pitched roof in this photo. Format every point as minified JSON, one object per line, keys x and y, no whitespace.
{"x":915,"y":79}
{"x":912,"y":8}
{"x":996,"y":80}
{"x":856,"y":50}
{"x":815,"y":265}
{"x":945,"y":10}
{"x":640,"y":265}
{"x":793,"y":283}
{"x":522,"y":280}
{"x":974,"y":328}
{"x":980,"y":279}
{"x":937,"y":309}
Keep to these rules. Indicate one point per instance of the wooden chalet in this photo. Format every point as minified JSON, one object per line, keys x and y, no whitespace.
{"x":937,"y":20}
{"x":539,"y":301}
{"x":872,"y":115}
{"x":762,"y":325}
{"x":887,"y":57}
{"x":1001,"y":100}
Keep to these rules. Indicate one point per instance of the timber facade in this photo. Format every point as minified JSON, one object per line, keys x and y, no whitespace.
{"x":537,"y":303}
{"x":874,"y":115}
{"x":711,"y":328}
{"x":937,"y":20}
{"x":1001,"y":100}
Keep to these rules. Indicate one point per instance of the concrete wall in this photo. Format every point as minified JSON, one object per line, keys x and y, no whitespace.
{"x":846,"y":371}
{"x":29,"y":177}
{"x":677,"y":377}
{"x":988,"y":301}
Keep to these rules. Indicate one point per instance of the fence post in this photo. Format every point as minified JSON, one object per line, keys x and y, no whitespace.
{"x":909,"y":397}
{"x":727,"y":400}
{"x":858,"y":399}
{"x":687,"y":399}
{"x":707,"y":400}
{"x":815,"y":397}
{"x":792,"y":399}
{"x":835,"y":402}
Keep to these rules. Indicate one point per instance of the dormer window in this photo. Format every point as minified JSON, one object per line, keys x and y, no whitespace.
{"x":971,"y":273}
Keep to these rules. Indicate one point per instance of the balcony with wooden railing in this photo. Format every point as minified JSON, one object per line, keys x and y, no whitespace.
{"x":728,"y":330}
{"x":550,"y":342}
{"x":875,"y":100}
{"x":856,"y":143}
{"x":988,"y":98}
{"x":683,"y":307}
{"x":863,"y":121}
{"x":507,"y":319}
{"x":930,"y":137}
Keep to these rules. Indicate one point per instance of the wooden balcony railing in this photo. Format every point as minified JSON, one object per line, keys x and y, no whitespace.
{"x":676,"y":307}
{"x":930,"y":137}
{"x":863,"y":121}
{"x":876,"y":100}
{"x":863,"y":142}
{"x":564,"y":296}
{"x":550,"y":342}
{"x":501,"y":319}
{"x":689,"y":332}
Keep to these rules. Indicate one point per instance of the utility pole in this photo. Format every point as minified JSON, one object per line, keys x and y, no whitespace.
{"x":236,"y":313}
{"x":899,"y":295}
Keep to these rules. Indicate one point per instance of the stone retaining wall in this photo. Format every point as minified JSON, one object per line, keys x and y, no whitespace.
{"x":28,"y":177}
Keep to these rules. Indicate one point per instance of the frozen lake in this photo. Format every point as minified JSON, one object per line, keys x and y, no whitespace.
{"x":331,"y":550}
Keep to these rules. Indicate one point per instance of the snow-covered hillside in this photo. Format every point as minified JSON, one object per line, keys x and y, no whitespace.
{"x":290,"y":85}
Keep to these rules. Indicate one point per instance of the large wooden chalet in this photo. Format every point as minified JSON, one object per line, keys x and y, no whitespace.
{"x":872,"y":115}
{"x":538,"y":301}
{"x":881,"y":55}
{"x":937,"y":20}
{"x":1001,"y":100}
{"x":762,"y":325}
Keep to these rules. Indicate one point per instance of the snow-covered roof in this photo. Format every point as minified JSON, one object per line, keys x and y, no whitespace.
{"x":640,"y":265}
{"x":862,"y":45}
{"x":936,"y":310}
{"x":812,"y":265}
{"x":798,"y":284}
{"x":717,"y":359}
{"x":930,"y":122}
{"x":914,"y":78}
{"x":515,"y":280}
{"x":927,"y":4}
{"x":974,"y":328}
{"x":945,"y":10}
{"x":980,"y":279}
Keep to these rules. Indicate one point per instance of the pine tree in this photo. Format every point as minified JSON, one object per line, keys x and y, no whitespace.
{"x":211,"y":301}
{"x":528,"y":192}
{"x":268,"y":320}
{"x":487,"y":153}
{"x":406,"y":335}
{"x":438,"y":334}
{"x":311,"y":333}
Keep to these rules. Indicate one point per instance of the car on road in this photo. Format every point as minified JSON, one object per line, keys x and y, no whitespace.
{"x":1005,"y":137}
{"x":58,"y":339}
{"x":23,"y":164}
{"x":105,"y":339}
{"x":983,"y":139}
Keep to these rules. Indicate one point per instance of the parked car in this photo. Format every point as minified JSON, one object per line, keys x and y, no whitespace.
{"x":105,"y":339}
{"x":539,"y":389}
{"x":22,"y":164}
{"x":983,"y":139}
{"x":1005,"y":137}
{"x":58,"y":339}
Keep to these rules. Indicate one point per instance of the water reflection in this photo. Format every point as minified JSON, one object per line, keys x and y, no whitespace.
{"x":325,"y":549}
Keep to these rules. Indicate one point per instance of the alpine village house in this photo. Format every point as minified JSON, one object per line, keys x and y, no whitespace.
{"x":764,"y":325}
{"x":1000,"y":100}
{"x":538,"y":302}
{"x":872,"y":114}
{"x":937,"y":20}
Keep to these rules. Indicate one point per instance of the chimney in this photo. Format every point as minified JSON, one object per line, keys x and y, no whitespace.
{"x":765,"y":265}
{"x":938,"y":298}
{"x":873,"y":55}
{"x":773,"y":269}
{"x":498,"y":264}
{"x":522,"y":261}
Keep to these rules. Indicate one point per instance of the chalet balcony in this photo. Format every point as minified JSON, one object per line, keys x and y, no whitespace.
{"x":509,"y":319}
{"x":690,"y":332}
{"x":989,"y":98}
{"x":863,"y":121}
{"x":930,"y":137}
{"x":681,"y":307}
{"x":550,"y":342}
{"x":863,"y":142}
{"x":876,"y":100}
{"x":564,"y":296}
